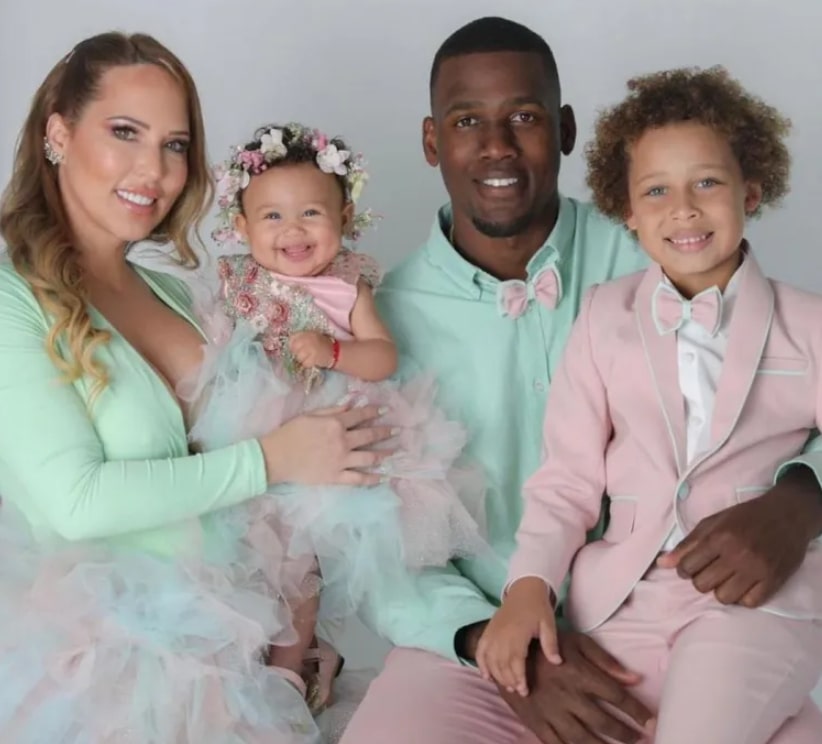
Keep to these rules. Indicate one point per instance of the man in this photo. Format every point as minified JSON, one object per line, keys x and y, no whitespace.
{"x":487,"y":304}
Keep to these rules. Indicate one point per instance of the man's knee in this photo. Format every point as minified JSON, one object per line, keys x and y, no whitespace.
{"x":422,"y":697}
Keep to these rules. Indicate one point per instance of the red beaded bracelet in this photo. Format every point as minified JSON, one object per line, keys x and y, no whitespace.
{"x":335,"y":353}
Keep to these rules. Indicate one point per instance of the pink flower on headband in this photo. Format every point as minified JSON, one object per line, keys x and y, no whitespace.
{"x":228,"y":235}
{"x":253,"y":160}
{"x":320,"y":141}
{"x":228,"y":184}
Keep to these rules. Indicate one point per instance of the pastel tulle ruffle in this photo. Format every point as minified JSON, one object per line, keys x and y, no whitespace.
{"x":101,"y":645}
{"x":428,"y":508}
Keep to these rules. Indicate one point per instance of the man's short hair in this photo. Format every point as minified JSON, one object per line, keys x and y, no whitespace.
{"x":494,"y":34}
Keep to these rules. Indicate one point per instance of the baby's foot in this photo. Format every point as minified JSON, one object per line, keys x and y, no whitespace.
{"x":321,"y":665}
{"x":278,"y":660}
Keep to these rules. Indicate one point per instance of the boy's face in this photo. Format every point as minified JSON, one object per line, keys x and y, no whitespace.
{"x":688,"y":203}
{"x":496,"y":132}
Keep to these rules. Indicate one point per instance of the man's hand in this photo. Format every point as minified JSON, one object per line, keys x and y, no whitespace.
{"x":565,"y":701}
{"x":746,"y":553}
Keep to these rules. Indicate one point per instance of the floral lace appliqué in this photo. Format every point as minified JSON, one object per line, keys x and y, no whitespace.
{"x":276,"y":310}
{"x":351,"y":266}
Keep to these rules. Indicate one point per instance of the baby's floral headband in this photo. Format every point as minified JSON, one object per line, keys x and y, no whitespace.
{"x":272,"y":144}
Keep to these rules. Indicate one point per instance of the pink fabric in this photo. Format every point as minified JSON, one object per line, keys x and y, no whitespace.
{"x":333,"y":297}
{"x":335,"y":291}
{"x":515,"y":294}
{"x":671,"y":310}
{"x":718,"y":674}
{"x":615,"y":424}
{"x":268,"y":299}
{"x":423,"y":698}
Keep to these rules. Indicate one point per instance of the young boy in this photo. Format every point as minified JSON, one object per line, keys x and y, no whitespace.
{"x":681,"y":390}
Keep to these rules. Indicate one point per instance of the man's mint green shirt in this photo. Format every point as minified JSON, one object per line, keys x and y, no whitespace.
{"x":494,"y":373}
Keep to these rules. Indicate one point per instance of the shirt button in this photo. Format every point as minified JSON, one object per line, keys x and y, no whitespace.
{"x":539,"y":386}
{"x":683,"y":491}
{"x":689,"y":357}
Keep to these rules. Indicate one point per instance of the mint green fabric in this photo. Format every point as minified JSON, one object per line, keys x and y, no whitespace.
{"x":120,"y":468}
{"x":494,"y":375}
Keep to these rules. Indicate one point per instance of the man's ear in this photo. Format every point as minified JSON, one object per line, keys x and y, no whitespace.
{"x":567,"y":130}
{"x":429,"y":142}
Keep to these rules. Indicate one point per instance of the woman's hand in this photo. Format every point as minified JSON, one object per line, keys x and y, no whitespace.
{"x":328,"y":446}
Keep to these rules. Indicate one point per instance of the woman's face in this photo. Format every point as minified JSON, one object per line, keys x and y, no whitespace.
{"x":125,"y":158}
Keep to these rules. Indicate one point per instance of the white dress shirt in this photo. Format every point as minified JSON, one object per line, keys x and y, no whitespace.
{"x":700,"y":358}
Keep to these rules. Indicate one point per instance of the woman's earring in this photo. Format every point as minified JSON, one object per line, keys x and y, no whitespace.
{"x":54,"y":157}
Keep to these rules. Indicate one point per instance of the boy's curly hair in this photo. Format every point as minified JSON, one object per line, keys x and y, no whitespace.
{"x":755,"y":131}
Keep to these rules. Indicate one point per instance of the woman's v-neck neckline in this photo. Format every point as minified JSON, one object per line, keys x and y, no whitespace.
{"x":160,"y":293}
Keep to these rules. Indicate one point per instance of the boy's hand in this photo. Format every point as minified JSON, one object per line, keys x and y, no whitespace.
{"x":526,"y":613}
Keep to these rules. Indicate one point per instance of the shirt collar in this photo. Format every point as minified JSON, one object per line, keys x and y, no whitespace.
{"x":473,"y":280}
{"x":728,"y":296}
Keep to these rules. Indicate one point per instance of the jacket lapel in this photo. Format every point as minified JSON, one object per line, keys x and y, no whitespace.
{"x":747,"y":334}
{"x":662,"y":359}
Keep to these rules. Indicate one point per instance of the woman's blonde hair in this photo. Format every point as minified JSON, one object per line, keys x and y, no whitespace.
{"x":33,"y":221}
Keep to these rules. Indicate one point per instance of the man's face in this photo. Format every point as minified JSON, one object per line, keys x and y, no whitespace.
{"x":497,"y":132}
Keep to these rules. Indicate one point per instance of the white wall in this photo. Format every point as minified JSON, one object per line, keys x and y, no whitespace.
{"x":362,"y":72}
{"x":360,"y":68}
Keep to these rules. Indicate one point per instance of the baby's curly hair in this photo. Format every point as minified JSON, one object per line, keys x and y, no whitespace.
{"x":755,"y":131}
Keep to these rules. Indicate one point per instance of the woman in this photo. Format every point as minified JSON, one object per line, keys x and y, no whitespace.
{"x":130,"y":610}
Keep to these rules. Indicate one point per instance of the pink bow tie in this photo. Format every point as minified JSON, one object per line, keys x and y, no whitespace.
{"x":670,"y":310}
{"x":514,"y":295}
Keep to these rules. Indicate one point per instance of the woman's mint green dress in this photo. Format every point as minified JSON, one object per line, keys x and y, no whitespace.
{"x":129,"y":612}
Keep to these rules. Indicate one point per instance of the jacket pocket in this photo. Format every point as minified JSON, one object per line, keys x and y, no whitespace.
{"x":782,"y":366}
{"x":621,"y":517}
